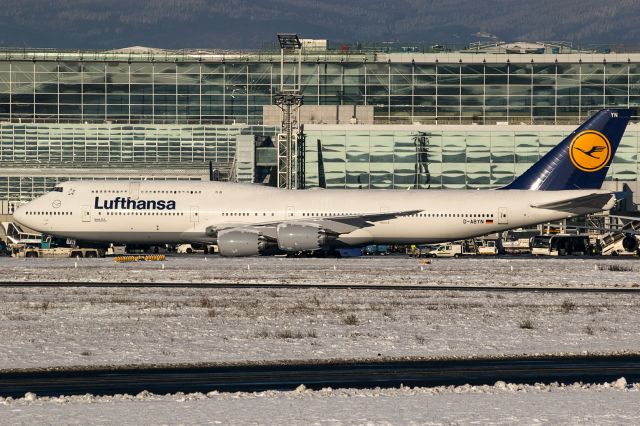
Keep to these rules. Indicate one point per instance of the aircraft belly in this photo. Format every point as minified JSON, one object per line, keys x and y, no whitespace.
{"x":131,"y":237}
{"x":419,"y":232}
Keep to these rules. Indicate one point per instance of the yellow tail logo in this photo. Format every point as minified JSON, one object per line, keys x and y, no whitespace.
{"x":590,"y":151}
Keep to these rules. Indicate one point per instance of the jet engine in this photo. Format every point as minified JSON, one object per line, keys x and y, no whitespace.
{"x":302,"y":237}
{"x":242,"y":242}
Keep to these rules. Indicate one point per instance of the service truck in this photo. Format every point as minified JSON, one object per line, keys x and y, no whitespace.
{"x":49,"y":247}
{"x":455,"y":249}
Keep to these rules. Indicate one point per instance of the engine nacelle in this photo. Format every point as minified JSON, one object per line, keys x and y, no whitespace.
{"x":302,"y":237}
{"x":241,"y":242}
{"x":630,"y":243}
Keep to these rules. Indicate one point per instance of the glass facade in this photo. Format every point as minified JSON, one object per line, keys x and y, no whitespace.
{"x":109,"y":149}
{"x":141,"y":111}
{"x":20,"y":189}
{"x":451,"y":87}
{"x":452,"y":157}
{"x":113,"y":145}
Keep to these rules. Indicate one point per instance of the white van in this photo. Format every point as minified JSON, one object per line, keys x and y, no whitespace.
{"x":453,"y":250}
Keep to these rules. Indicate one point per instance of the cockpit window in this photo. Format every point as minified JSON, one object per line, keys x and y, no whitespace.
{"x":57,"y":189}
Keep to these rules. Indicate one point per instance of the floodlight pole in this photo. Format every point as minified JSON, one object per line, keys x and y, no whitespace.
{"x":289,"y":102}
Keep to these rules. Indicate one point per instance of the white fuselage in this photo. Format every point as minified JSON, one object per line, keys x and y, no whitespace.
{"x":174,"y":212}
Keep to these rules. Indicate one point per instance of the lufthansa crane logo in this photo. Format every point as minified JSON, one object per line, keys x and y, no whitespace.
{"x":590,"y":151}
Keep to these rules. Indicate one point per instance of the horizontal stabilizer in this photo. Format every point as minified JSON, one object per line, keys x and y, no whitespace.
{"x":588,"y":203}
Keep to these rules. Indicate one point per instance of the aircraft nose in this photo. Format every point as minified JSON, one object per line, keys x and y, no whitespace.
{"x":20,"y":215}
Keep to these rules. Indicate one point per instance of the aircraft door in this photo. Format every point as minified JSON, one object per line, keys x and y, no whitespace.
{"x":503,"y":218}
{"x":195,"y":214}
{"x":134,"y":190}
{"x":86,"y":214}
{"x":291,"y":212}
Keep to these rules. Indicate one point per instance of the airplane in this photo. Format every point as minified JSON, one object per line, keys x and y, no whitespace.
{"x":250,"y":220}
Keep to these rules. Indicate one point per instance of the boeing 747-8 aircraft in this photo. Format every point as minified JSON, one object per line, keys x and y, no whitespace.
{"x":247,"y":220}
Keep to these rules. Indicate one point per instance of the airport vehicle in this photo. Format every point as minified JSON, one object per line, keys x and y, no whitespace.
{"x":349,"y":252}
{"x":188,"y":249}
{"x":247,"y":220}
{"x":619,"y":244}
{"x":196,"y":248}
{"x":48,"y":247}
{"x":561,"y":245}
{"x":540,"y":245}
{"x":376,"y":249}
{"x":624,"y":241}
{"x":456,"y":249}
{"x":422,"y":250}
{"x":58,"y":252}
{"x":116,"y":250}
{"x":517,"y":246}
{"x":488,"y":248}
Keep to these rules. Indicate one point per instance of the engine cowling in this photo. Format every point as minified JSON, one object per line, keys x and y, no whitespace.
{"x":630,"y":243}
{"x":241,"y":243}
{"x":302,"y":237}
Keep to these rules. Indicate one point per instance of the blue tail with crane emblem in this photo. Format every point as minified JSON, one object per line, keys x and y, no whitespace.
{"x":582,"y":159}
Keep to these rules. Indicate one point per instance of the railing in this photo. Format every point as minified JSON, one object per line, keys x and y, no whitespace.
{"x":15,"y":235}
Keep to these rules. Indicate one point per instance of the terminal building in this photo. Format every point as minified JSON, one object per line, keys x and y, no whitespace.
{"x":376,"y":118}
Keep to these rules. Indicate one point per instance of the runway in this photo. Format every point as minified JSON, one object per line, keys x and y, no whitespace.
{"x":298,"y":286}
{"x":317,"y":375}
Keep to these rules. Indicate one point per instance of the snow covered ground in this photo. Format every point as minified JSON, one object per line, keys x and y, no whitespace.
{"x":43,"y":327}
{"x":510,"y":271}
{"x":615,"y":403}
{"x":46,"y":327}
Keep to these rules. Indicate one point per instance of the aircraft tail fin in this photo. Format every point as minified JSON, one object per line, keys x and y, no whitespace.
{"x":582,"y":159}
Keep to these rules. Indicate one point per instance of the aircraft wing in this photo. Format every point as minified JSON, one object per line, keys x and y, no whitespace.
{"x":584,"y":204}
{"x":335,"y":224}
{"x":343,"y":224}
